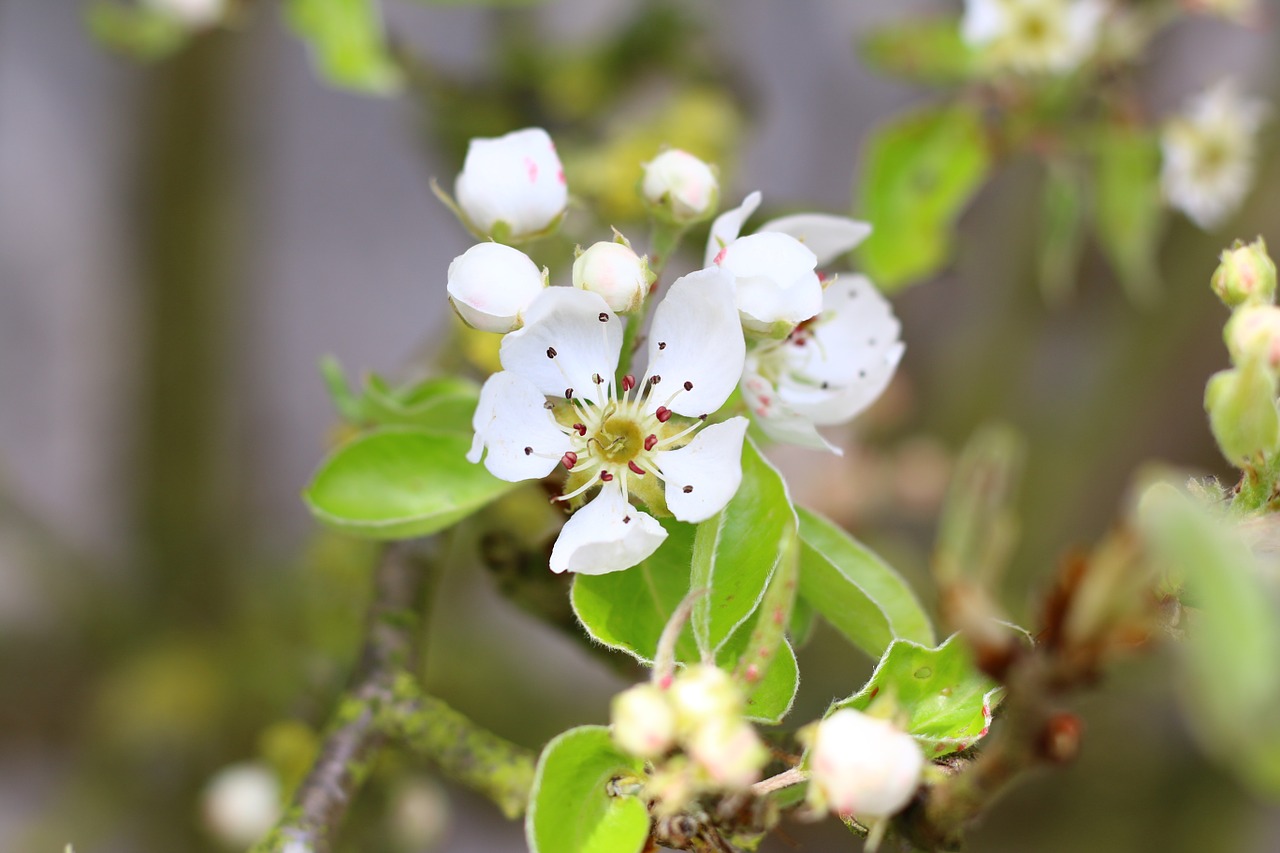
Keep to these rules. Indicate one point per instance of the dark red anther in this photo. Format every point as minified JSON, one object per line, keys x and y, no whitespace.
{"x":628,"y":382}
{"x":569,"y":460}
{"x":568,"y":393}
{"x":636,"y":468}
{"x":650,"y":442}
{"x":606,"y":477}
{"x":688,"y":386}
{"x":581,"y":428}
{"x":663,"y":414}
{"x":551,"y":352}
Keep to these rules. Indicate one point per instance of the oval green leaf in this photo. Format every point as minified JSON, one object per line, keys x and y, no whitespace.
{"x":570,"y":807}
{"x":857,"y":592}
{"x":400,"y":483}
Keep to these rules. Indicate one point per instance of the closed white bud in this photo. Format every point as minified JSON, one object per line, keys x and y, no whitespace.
{"x":644,"y":723}
{"x":701,"y":694}
{"x":863,"y":766}
{"x":512,"y":187}
{"x":775,"y":281}
{"x":729,"y":751}
{"x":240,"y":804}
{"x":491,"y":285}
{"x":615,"y":272}
{"x":1253,"y":332}
{"x":420,"y":815}
{"x":680,"y":188}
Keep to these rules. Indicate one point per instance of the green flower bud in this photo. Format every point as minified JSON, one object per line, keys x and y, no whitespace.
{"x":1246,"y":275}
{"x":1242,"y":413}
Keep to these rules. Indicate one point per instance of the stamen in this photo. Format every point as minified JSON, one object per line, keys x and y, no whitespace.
{"x":650,"y":441}
{"x":595,"y":377}
{"x":528,"y":451}
{"x":688,"y":386}
{"x":590,"y":483}
{"x":548,"y":405}
{"x":626,"y":519}
{"x":663,"y":414}
{"x":636,"y":468}
{"x":628,"y":382}
{"x":581,"y":428}
{"x":568,"y":393}
{"x":569,"y":460}
{"x":681,"y":434}
{"x":604,"y":318}
{"x":687,"y":489}
{"x":551,"y":352}
{"x":662,"y":344}
{"x":606,"y":476}
{"x":655,"y":379}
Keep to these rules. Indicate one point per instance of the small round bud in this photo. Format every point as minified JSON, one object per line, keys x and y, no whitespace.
{"x":240,"y":804}
{"x":1253,"y":332}
{"x":701,"y":694}
{"x":419,"y":814}
{"x":192,"y":13}
{"x":1245,"y":275}
{"x":776,"y":283}
{"x":644,"y":723}
{"x":680,"y":188}
{"x":729,"y":751}
{"x":615,"y":272}
{"x":863,"y":766}
{"x":491,"y":285}
{"x":512,"y":187}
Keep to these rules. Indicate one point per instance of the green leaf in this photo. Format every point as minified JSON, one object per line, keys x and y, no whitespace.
{"x":444,"y":404}
{"x":1231,"y":666}
{"x":770,"y":698}
{"x":737,"y":550}
{"x":347,"y":43}
{"x":918,"y":173}
{"x":627,"y":610}
{"x":141,"y":33}
{"x":1127,"y":210}
{"x":979,"y":526}
{"x":923,"y":50}
{"x":398,"y":483}
{"x":945,"y":700}
{"x":570,"y":807}
{"x":1061,"y":233}
{"x":857,"y":592}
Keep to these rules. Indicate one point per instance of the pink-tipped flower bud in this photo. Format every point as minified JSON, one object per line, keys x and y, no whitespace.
{"x":644,"y":723}
{"x":702,"y":694}
{"x":1253,"y":333}
{"x":1245,"y":275}
{"x":240,"y":804}
{"x":729,"y":751}
{"x":512,"y":187}
{"x":491,"y":285}
{"x":863,"y":766}
{"x":680,"y":188}
{"x":615,"y":272}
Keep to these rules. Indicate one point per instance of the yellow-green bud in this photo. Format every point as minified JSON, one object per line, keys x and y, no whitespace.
{"x":1242,"y":413}
{"x":1245,"y":275}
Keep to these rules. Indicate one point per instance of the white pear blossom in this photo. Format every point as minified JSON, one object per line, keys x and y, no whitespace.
{"x":515,"y":181}
{"x":1209,"y":152}
{"x":241,"y":803}
{"x":491,"y":285}
{"x":777,"y":285}
{"x":863,"y":766}
{"x":615,"y":272}
{"x":556,"y":402}
{"x":1034,"y":35}
{"x":829,"y":369}
{"x":680,"y":185}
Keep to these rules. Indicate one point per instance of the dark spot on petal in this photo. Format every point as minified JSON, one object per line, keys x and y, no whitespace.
{"x":548,"y":405}
{"x":862,"y":374}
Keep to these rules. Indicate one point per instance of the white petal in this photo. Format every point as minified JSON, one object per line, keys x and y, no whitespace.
{"x":491,"y":286}
{"x":510,"y":419}
{"x":564,"y":344}
{"x":606,"y":535}
{"x":828,"y":237}
{"x":774,"y":278}
{"x":516,"y":179}
{"x":728,"y":225}
{"x":777,"y":419}
{"x":711,"y":464}
{"x":984,"y":21}
{"x":696,"y":344}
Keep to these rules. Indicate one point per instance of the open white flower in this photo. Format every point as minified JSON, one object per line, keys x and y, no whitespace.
{"x":1034,"y":35}
{"x":863,"y":766}
{"x":515,"y":181}
{"x":556,"y":402}
{"x":491,"y":285}
{"x":1209,"y":153}
{"x":829,"y":369}
{"x":775,"y":268}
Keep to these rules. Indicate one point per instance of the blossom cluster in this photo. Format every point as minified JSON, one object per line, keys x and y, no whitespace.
{"x":805,"y":348}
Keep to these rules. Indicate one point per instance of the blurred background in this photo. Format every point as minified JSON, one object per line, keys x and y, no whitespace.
{"x":181,"y":241}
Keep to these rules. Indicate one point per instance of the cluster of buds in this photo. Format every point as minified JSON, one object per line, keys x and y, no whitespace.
{"x":701,"y":714}
{"x":1241,"y":401}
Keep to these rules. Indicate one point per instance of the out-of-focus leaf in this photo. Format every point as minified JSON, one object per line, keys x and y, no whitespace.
{"x":918,"y":173}
{"x":1232,"y":660}
{"x":135,"y":31}
{"x":924,"y":50}
{"x":571,"y":808}
{"x":861,"y":596}
{"x":347,"y":44}
{"x":978,"y":527}
{"x":736,"y":551}
{"x":945,"y":700}
{"x":400,"y":483}
{"x":444,"y":404}
{"x":1061,"y":233}
{"x":1126,"y":209}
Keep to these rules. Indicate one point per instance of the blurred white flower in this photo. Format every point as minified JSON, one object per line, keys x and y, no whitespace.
{"x":680,"y":187}
{"x":615,"y":272}
{"x":1209,"y":152}
{"x":643,"y":721}
{"x":241,"y":804}
{"x":1034,"y":35}
{"x":556,"y":402}
{"x":193,"y":13}
{"x":863,"y":766}
{"x":729,"y":751}
{"x":829,"y":369}
{"x":491,"y":285}
{"x":512,"y":186}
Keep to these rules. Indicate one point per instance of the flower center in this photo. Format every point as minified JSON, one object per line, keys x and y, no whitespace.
{"x":620,"y":439}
